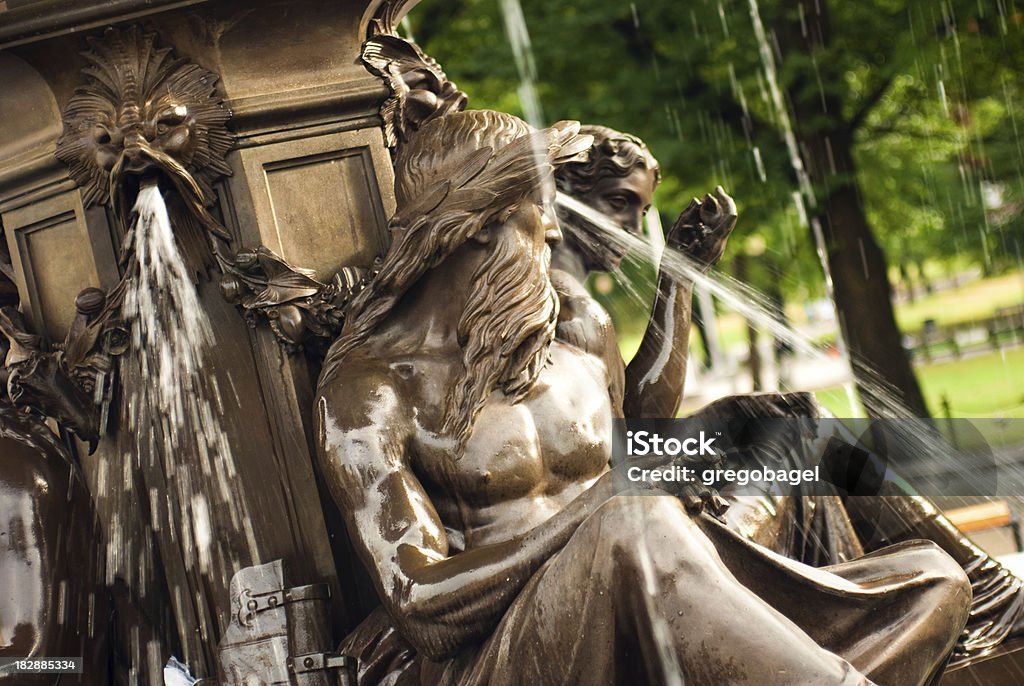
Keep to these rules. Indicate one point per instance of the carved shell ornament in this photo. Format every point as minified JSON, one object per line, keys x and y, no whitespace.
{"x":142,"y":113}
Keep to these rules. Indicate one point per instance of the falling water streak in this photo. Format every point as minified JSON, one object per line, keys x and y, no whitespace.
{"x":672,"y":671}
{"x":779,"y":103}
{"x":804,"y":182}
{"x":844,"y":351}
{"x":914,"y":437}
{"x":522,"y":51}
{"x":740,"y":297}
{"x":170,"y":411}
{"x":655,"y":234}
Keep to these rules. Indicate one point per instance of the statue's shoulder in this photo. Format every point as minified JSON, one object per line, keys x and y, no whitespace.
{"x":358,"y":379}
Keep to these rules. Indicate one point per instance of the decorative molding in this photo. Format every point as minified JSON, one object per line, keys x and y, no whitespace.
{"x":51,"y":18}
{"x":383,"y":16}
{"x":72,"y":383}
{"x":144,"y":115}
{"x":301,"y":109}
{"x":298,"y":308}
{"x":140,"y":106}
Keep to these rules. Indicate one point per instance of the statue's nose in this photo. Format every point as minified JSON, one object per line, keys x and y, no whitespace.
{"x":552,"y":231}
{"x":133,"y":144}
{"x":133,"y":150}
{"x":634,"y":224}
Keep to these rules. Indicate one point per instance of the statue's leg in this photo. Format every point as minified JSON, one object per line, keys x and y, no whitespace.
{"x":998,"y":605}
{"x":640,"y":592}
{"x":814,"y":530}
{"x":895,"y":613}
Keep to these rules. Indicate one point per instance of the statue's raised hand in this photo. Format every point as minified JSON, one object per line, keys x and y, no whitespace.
{"x":703,"y":229}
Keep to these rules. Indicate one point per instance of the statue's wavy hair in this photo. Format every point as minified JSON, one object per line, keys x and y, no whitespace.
{"x":613,"y":153}
{"x":457,"y":175}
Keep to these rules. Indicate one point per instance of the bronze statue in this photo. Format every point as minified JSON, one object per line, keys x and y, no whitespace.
{"x":54,"y":602}
{"x":468,"y":449}
{"x":299,"y":309}
{"x":618,"y":179}
{"x":420,"y":90}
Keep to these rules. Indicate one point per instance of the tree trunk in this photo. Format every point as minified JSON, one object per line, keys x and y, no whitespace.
{"x":862,"y":290}
{"x":863,"y":293}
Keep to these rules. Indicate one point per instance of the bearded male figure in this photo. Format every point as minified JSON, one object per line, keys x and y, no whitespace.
{"x":468,"y":450}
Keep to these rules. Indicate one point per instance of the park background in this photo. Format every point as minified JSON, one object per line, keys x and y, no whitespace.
{"x":894,"y":127}
{"x":874,"y":151}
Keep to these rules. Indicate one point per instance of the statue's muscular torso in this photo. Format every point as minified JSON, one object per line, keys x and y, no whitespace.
{"x":523,"y":462}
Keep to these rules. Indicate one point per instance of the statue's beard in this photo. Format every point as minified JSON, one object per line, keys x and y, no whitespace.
{"x":505,"y":332}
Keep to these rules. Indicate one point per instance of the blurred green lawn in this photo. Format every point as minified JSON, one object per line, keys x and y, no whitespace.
{"x":989,"y":385}
{"x":975,"y":300}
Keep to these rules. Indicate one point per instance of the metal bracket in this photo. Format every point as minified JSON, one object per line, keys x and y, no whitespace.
{"x":251,"y":604}
{"x":317,"y":662}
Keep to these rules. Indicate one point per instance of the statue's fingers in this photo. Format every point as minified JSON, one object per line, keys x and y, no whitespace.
{"x":709,"y":209}
{"x":692,"y":503}
{"x":725,"y":202}
{"x":718,"y":505}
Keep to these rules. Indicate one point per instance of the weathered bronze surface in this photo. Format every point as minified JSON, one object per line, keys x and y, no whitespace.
{"x":463,"y":419}
{"x":468,"y":449}
{"x":299,"y":308}
{"x":420,"y":90}
{"x":279,"y":634}
{"x":54,"y":600}
{"x":303,"y":118}
{"x":144,"y":112}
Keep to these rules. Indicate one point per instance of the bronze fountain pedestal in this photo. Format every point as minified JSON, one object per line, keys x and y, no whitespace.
{"x":311,"y":178}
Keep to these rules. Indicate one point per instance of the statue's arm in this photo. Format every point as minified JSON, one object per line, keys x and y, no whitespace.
{"x":440,"y":602}
{"x":656,"y":374}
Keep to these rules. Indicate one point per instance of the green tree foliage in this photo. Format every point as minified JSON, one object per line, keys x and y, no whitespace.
{"x":904,"y":115}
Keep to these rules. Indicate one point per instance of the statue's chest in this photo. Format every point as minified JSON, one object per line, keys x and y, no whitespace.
{"x":559,"y":435}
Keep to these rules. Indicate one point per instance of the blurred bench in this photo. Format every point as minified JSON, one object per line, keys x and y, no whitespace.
{"x":1002,"y":327}
{"x":991,"y":515}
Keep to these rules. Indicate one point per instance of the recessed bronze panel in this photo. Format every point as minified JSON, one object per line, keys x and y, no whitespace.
{"x":53,"y":256}
{"x":318,"y":201}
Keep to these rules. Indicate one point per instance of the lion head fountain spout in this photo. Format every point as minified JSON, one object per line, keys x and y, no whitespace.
{"x":146,"y":116}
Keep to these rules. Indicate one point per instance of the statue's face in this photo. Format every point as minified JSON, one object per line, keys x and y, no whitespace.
{"x":536,"y":228}
{"x":624,"y":200}
{"x":143,"y":112}
{"x":165,"y":125}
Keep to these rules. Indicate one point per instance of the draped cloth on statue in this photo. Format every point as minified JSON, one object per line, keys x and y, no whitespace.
{"x":891,"y":617}
{"x":822,"y":529}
